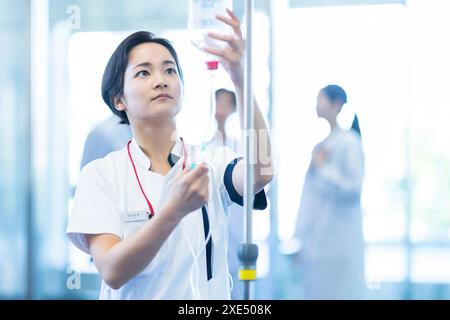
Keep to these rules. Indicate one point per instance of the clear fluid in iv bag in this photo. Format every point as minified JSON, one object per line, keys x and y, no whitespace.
{"x":202,"y":20}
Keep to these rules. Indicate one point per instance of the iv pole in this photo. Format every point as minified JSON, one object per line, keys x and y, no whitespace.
{"x":248,"y":252}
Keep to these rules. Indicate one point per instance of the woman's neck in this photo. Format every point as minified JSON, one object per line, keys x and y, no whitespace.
{"x":221,"y":135}
{"x":156,"y":140}
{"x":333,"y":124}
{"x":221,"y":128}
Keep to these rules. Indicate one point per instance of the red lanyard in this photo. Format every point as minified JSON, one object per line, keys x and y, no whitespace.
{"x":150,"y":207}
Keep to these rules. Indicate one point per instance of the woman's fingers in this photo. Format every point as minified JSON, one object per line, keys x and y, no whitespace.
{"x":235,"y":41}
{"x":199,"y":184}
{"x":232,"y":41}
{"x":203,"y":188}
{"x":236,"y":26}
{"x":226,"y":54}
{"x":200,"y":171}
{"x":221,"y":37}
{"x":216,"y":52}
{"x":232,"y":21}
{"x":231,"y":14}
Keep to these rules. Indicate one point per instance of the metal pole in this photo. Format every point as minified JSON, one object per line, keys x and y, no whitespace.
{"x":248,"y":252}
{"x":249,"y":124}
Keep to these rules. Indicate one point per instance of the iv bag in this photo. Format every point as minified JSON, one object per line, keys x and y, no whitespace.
{"x":202,"y":20}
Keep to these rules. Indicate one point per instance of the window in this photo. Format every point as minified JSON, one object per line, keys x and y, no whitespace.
{"x":393,"y":63}
{"x":15,"y":201}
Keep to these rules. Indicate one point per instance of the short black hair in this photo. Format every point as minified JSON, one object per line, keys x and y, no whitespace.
{"x":231,"y":93}
{"x":335,"y":93}
{"x":113,"y":77}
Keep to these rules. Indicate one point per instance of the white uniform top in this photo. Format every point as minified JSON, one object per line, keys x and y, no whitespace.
{"x":108,"y":200}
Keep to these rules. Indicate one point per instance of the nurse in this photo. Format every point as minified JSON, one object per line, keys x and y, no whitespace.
{"x":329,"y":223}
{"x":155,"y":227}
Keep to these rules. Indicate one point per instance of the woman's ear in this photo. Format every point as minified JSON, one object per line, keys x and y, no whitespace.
{"x":119,"y":104}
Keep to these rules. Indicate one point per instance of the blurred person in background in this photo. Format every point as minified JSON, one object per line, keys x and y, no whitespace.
{"x":226,"y":106}
{"x":108,"y":136}
{"x":329,"y":224}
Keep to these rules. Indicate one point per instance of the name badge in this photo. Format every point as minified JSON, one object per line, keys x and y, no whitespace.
{"x":132,"y":216}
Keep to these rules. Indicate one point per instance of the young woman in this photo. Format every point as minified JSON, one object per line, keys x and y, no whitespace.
{"x":156,"y":228}
{"x":329,"y":223}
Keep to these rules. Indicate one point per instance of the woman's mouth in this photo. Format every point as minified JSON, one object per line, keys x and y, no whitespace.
{"x":161,"y":96}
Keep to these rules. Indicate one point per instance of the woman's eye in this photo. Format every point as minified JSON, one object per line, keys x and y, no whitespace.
{"x":171,"y":71}
{"x":142,"y":73}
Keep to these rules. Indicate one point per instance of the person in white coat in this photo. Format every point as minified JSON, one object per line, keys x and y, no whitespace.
{"x":329,"y":224}
{"x":154,"y":224}
{"x":108,"y":136}
{"x":225,"y":106}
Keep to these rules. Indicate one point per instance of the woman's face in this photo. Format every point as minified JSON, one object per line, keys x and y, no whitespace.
{"x":325,"y":108}
{"x":152,"y":85}
{"x":224,"y":107}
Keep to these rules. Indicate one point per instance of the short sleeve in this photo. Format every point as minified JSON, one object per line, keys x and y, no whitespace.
{"x":94,"y":208}
{"x":224,"y":160}
{"x":260,"y":200}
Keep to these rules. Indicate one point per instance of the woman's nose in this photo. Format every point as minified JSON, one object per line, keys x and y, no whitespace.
{"x":160,"y":82}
